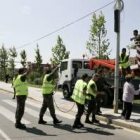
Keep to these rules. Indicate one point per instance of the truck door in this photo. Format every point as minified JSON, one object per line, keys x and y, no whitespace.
{"x":63,"y":74}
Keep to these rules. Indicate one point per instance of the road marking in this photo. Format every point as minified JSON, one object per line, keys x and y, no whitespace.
{"x":4,"y":135}
{"x":10,"y":115}
{"x":65,"y":115}
{"x":28,"y":110}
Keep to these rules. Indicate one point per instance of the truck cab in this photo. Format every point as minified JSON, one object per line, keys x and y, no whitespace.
{"x":71,"y":70}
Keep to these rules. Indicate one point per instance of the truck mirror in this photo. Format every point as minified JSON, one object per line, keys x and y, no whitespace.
{"x":60,"y":69}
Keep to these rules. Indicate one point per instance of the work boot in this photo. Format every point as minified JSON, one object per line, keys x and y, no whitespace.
{"x":82,"y":125}
{"x":41,"y":121}
{"x":87,"y":120}
{"x":20,"y":126}
{"x":78,"y":126}
{"x":56,"y":121}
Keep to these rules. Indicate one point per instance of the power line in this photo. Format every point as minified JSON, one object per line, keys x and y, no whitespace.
{"x":66,"y":25}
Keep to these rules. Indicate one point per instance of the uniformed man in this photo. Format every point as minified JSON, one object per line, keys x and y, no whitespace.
{"x":47,"y":91}
{"x":91,"y":97}
{"x":102,"y":86}
{"x":79,"y":95}
{"x":21,"y":88}
{"x":124,"y":63}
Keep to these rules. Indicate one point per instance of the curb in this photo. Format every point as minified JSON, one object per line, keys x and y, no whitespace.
{"x":118,"y":123}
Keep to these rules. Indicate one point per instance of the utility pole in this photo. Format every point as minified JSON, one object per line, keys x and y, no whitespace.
{"x":99,"y":42}
{"x":118,"y":8}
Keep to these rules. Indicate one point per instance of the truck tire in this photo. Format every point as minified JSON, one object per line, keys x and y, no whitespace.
{"x":66,"y":93}
{"x":108,"y":100}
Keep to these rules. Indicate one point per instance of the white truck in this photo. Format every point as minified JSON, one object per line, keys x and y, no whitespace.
{"x":71,"y":70}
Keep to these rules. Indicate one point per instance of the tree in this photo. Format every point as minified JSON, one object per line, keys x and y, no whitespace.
{"x":59,"y":52}
{"x":3,"y":61}
{"x":97,"y":45}
{"x":13,"y":55}
{"x":38,"y":59}
{"x":23,"y":58}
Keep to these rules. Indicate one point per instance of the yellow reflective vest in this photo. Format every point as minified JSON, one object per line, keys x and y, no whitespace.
{"x":20,"y":87}
{"x":78,"y":95}
{"x":126,"y":64}
{"x":89,"y":90}
{"x":47,"y":86}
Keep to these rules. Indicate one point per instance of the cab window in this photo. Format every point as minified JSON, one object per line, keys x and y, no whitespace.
{"x":64,"y":66}
{"x":86,"y":65}
{"x":77,"y":64}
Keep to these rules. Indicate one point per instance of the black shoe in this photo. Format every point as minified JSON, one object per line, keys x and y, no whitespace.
{"x":20,"y":126}
{"x":82,"y":125}
{"x":56,"y":121}
{"x":88,"y":121}
{"x":100,"y":111}
{"x":95,"y":121}
{"x":42,"y":122}
{"x":76,"y":126}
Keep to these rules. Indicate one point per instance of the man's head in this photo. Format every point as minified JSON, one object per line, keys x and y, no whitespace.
{"x":95,"y":77}
{"x":123,"y":50}
{"x":135,"y":32}
{"x":21,"y":71}
{"x":100,"y":72}
{"x":128,"y":77}
{"x":47,"y":70}
{"x":84,"y":77}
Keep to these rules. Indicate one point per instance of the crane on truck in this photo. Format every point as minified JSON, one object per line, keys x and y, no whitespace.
{"x":109,"y":65}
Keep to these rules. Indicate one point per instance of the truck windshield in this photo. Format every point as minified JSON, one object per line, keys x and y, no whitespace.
{"x":77,"y":64}
{"x":86,"y":65}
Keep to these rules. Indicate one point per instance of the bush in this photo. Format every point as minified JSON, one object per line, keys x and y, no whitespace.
{"x":33,"y":76}
{"x":38,"y":81}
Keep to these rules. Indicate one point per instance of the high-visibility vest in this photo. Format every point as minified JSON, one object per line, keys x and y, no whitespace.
{"x":20,"y":87}
{"x":78,"y":95}
{"x":126,"y":64}
{"x":47,"y":87}
{"x":89,"y":90}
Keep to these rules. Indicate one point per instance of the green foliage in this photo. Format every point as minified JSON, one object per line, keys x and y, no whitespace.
{"x":38,"y":59}
{"x":97,"y":45}
{"x":59,"y":52}
{"x":13,"y":54}
{"x":3,"y":62}
{"x":38,"y":81}
{"x":23,"y":58}
{"x":33,"y":76}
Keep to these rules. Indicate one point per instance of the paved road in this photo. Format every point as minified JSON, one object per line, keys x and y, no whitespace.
{"x":49,"y":131}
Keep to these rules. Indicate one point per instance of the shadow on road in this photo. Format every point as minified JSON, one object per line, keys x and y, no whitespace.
{"x":108,"y":126}
{"x":36,"y":131}
{"x":84,"y":129}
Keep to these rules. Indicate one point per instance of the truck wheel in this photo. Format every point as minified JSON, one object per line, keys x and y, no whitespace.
{"x":108,"y":101}
{"x":66,"y":93}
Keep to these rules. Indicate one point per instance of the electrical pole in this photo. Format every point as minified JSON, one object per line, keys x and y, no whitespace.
{"x":118,"y":8}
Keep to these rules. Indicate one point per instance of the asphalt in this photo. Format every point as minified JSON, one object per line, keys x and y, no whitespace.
{"x":108,"y":114}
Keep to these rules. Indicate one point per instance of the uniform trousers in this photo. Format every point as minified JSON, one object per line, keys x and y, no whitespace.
{"x":20,"y":107}
{"x":91,"y":108}
{"x":79,"y":114}
{"x":47,"y":103}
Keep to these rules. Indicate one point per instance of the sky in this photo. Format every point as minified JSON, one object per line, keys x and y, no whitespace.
{"x":24,"y":21}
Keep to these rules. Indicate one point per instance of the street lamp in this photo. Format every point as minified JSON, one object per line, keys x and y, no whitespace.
{"x":118,"y":8}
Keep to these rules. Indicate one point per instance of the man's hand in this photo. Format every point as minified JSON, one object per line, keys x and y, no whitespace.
{"x":131,"y":39}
